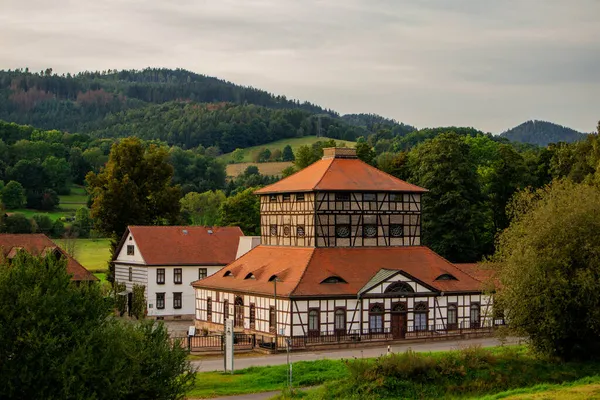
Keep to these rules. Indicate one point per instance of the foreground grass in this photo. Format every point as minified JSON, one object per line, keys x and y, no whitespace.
{"x":264,"y":379}
{"x":586,"y":388}
{"x":93,"y":254}
{"x":498,"y":373}
{"x":295,"y":143}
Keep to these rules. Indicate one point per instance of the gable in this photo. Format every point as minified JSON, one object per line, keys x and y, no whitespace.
{"x":122,"y":256}
{"x":393,"y":282}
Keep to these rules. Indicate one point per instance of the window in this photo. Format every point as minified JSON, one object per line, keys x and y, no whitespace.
{"x":130,"y":250}
{"x":300,"y":231}
{"x":130,"y":274}
{"x":333,"y":279}
{"x":287,"y":197}
{"x":209,"y":309}
{"x":252,"y":315}
{"x":273,"y":197}
{"x":160,"y":276}
{"x":339,"y":321}
{"x":250,"y":276}
{"x":376,"y":318}
{"x":273,"y":277}
{"x":238,"y":311}
{"x":300,"y":197}
{"x":452,"y":316}
{"x":396,"y":230}
{"x":475,"y":315}
{"x":399,"y":307}
{"x":177,"y":276}
{"x":272,"y":318}
{"x":286,"y":230}
{"x":399,"y":287}
{"x":342,"y":196}
{"x":370,"y":230}
{"x":225,"y":310}
{"x":177,"y":300}
{"x":369,"y":196}
{"x":421,"y":314}
{"x":313,"y":322}
{"x":273,"y":230}
{"x":396,"y":197}
{"x":160,"y":301}
{"x":227,"y":273}
{"x":342,"y":231}
{"x":202,"y":273}
{"x":446,"y":277}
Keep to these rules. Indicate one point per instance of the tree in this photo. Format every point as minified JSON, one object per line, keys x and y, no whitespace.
{"x":455,"y":218}
{"x":83,"y":222}
{"x":304,"y":157}
{"x":243,"y":210}
{"x":13,"y":195}
{"x":53,"y":331}
{"x":17,"y":223}
{"x":44,"y":223}
{"x":238,"y":155}
{"x":287,"y":171}
{"x":58,"y":229}
{"x":58,"y":172}
{"x":275,"y":155}
{"x":134,"y":188}
{"x":288,"y":154}
{"x":49,"y":200}
{"x":202,"y":208}
{"x":365,"y":152}
{"x":548,"y":263}
{"x":264,"y":154}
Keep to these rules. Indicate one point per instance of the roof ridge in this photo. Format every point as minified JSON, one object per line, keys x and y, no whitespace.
{"x":313,"y":251}
{"x":324,"y":173}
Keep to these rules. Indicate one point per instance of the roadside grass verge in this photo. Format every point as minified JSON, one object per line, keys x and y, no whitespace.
{"x":463,"y":374}
{"x":264,"y":379}
{"x":585,"y":388}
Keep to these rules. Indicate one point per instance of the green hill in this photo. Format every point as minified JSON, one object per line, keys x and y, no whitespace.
{"x":542,"y":133}
{"x":295,"y":143}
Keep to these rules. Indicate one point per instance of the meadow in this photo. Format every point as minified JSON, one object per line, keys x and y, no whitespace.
{"x":505,"y":372}
{"x":295,"y":143}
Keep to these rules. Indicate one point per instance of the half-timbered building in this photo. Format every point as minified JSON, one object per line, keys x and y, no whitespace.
{"x":341,"y":256}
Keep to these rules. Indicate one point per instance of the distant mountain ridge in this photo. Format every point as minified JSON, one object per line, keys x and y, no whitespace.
{"x":542,"y":133}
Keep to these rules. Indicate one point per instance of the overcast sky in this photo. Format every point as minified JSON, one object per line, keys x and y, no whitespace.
{"x":490,"y":64}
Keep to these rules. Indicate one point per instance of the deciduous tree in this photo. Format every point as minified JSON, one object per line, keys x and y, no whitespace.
{"x":243,"y":210}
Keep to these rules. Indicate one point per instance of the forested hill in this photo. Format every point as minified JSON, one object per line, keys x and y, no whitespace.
{"x":542,"y":133}
{"x":176,"y":106}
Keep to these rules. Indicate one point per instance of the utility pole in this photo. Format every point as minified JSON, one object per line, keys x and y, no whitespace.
{"x":275,"y":297}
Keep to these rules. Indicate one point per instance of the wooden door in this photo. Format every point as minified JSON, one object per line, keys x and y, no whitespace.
{"x":398,"y":325}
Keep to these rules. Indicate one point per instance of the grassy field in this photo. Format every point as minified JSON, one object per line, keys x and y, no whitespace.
{"x":280,"y":144}
{"x":93,"y":254}
{"x":473,"y":373}
{"x":270,"y":168}
{"x":69,"y":204}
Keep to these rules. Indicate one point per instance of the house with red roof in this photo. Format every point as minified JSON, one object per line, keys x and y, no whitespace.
{"x":167,"y":259}
{"x":41,"y":245}
{"x":341,"y":259}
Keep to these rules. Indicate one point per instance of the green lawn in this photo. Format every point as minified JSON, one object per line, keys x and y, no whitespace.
{"x":69,"y":204}
{"x":280,"y":144}
{"x":264,"y":379}
{"x":93,"y":254}
{"x":54,"y":215}
{"x":78,"y":195}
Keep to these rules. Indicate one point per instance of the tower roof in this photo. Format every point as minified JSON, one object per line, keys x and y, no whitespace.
{"x":340,"y":170}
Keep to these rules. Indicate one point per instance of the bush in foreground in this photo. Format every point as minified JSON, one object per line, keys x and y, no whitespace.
{"x":60,"y":341}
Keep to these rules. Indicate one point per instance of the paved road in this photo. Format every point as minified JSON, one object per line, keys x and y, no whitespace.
{"x":216,"y":364}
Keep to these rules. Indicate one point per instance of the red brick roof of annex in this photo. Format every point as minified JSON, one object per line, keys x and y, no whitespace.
{"x":340,"y":170}
{"x":185,"y":245}
{"x":38,"y":245}
{"x":301,"y":270}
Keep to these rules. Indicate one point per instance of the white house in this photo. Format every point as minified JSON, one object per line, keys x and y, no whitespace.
{"x":166,"y":259}
{"x":341,"y":259}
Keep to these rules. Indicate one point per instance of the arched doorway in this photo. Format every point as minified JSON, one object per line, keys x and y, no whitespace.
{"x":399,"y":320}
{"x":238,"y":312}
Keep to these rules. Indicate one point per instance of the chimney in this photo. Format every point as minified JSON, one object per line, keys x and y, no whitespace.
{"x":339,"y":152}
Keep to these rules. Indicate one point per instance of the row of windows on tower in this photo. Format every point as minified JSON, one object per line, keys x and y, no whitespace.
{"x":342,"y":196}
{"x":343,"y":230}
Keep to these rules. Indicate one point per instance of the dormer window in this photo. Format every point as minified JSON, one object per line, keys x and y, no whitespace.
{"x":273,"y":277}
{"x":250,"y":276}
{"x":227,"y":273}
{"x":333,"y":279}
{"x":446,"y":277}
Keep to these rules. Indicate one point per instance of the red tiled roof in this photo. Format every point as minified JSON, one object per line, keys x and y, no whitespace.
{"x":41,"y":245}
{"x":349,"y":174}
{"x":478,"y":271}
{"x":185,"y":245}
{"x":305,"y":268}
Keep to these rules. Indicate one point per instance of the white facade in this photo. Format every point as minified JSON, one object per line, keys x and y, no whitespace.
{"x":166,"y":296}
